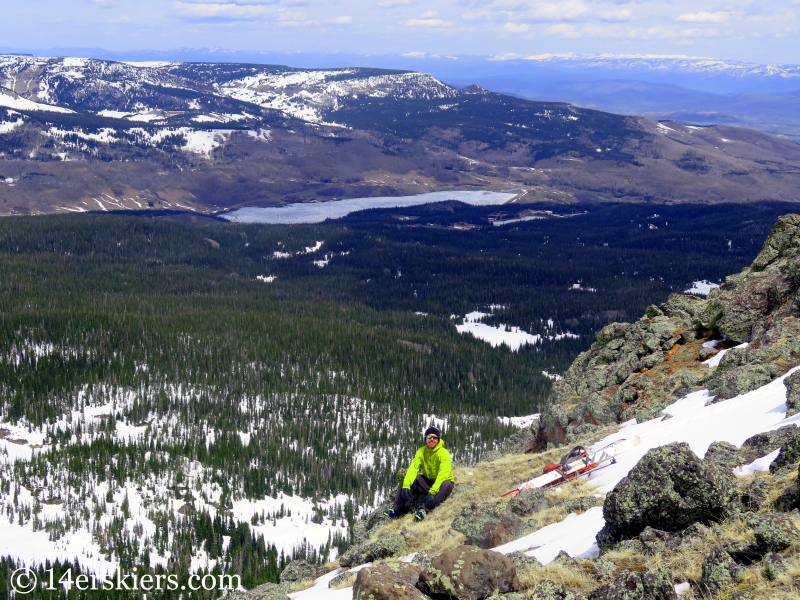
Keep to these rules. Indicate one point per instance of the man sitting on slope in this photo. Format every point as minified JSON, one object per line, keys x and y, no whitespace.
{"x":430,"y":474}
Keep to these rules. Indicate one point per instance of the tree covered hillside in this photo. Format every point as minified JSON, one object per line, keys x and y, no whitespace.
{"x":159,"y":379}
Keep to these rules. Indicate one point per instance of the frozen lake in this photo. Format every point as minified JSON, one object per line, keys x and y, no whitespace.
{"x":317,"y":212}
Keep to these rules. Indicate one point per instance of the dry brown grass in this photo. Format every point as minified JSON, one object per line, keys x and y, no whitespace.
{"x":485,"y":482}
{"x":348,"y":581}
{"x":299,"y":586}
{"x":568,"y":576}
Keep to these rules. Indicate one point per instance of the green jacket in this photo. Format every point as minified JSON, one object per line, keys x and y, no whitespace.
{"x":434,"y":464}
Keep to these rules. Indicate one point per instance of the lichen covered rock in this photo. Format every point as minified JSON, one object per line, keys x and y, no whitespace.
{"x":487,"y":525}
{"x":743,"y":370}
{"x":388,"y":581}
{"x":528,"y":502}
{"x":789,"y":454}
{"x":469,"y":573}
{"x":265,"y":591}
{"x":724,"y":454}
{"x":522,"y":562}
{"x":581,"y":504}
{"x":762,"y":444}
{"x":549,"y":590}
{"x":628,"y":585}
{"x":792,"y":383}
{"x":719,"y":571}
{"x":774,"y":566}
{"x":298,"y":570}
{"x":773,"y":532}
{"x":755,"y":494}
{"x":384,"y":547}
{"x":669,"y":489}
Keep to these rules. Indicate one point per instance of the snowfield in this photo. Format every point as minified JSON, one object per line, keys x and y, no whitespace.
{"x":23,"y":104}
{"x":690,"y":419}
{"x":701,"y":288}
{"x":512,"y":337}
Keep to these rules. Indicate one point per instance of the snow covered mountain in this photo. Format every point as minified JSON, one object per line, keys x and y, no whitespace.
{"x":678,"y":63}
{"x":82,"y":134}
{"x":203,"y":93}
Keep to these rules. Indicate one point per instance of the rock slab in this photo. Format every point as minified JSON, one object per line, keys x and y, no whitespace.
{"x":469,"y":573}
{"x":669,"y":489}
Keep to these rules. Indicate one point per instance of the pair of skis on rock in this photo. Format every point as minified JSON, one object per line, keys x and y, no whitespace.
{"x":577,"y":463}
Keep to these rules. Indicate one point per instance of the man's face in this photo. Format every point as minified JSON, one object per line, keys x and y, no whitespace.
{"x":431,"y":441}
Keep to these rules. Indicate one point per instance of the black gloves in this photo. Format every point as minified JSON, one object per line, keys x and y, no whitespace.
{"x":430,"y":502}
{"x":406,"y":496}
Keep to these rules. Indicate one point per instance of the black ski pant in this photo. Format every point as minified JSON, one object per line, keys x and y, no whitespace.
{"x":421,"y":487}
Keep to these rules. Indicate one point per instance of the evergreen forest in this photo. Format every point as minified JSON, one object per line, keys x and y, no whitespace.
{"x":160,"y":376}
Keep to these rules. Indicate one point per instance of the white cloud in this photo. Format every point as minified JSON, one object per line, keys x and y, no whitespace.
{"x":484,"y":15}
{"x":393,"y":3}
{"x":622,"y":14}
{"x":563,"y":30}
{"x":428,"y":19}
{"x":705,"y":16}
{"x":604,"y":31}
{"x":652,"y":33}
{"x":344,"y":20}
{"x":221,"y":10}
{"x":559,"y":11}
{"x":516,"y":27}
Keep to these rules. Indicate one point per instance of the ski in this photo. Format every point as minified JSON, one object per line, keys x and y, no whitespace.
{"x":585,"y":463}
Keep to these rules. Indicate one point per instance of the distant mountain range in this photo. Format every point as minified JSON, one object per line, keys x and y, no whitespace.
{"x":701,"y":90}
{"x":78,"y":134}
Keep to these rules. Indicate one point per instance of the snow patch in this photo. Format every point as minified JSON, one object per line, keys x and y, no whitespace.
{"x":23,"y":104}
{"x":520,"y":422}
{"x":714,"y":360}
{"x":701,"y":288}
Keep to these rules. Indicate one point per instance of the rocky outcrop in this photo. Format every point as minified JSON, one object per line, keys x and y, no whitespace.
{"x":789,"y":454}
{"x":388,"y":581}
{"x":774,"y":566}
{"x":523,"y":562}
{"x":719,"y":571}
{"x":655,"y":585}
{"x":488,"y":524}
{"x":265,"y":591}
{"x":549,"y":590}
{"x":384,"y":547}
{"x":528,"y":502}
{"x":634,"y":370}
{"x":299,"y":570}
{"x":669,"y":489}
{"x":745,"y":306}
{"x":724,"y":454}
{"x":741,"y":371}
{"x":773,"y":532}
{"x":792,"y":383}
{"x":622,"y":375}
{"x":469,"y":573}
{"x":762,"y":444}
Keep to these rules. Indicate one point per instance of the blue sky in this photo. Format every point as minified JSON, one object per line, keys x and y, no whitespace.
{"x":751,"y":30}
